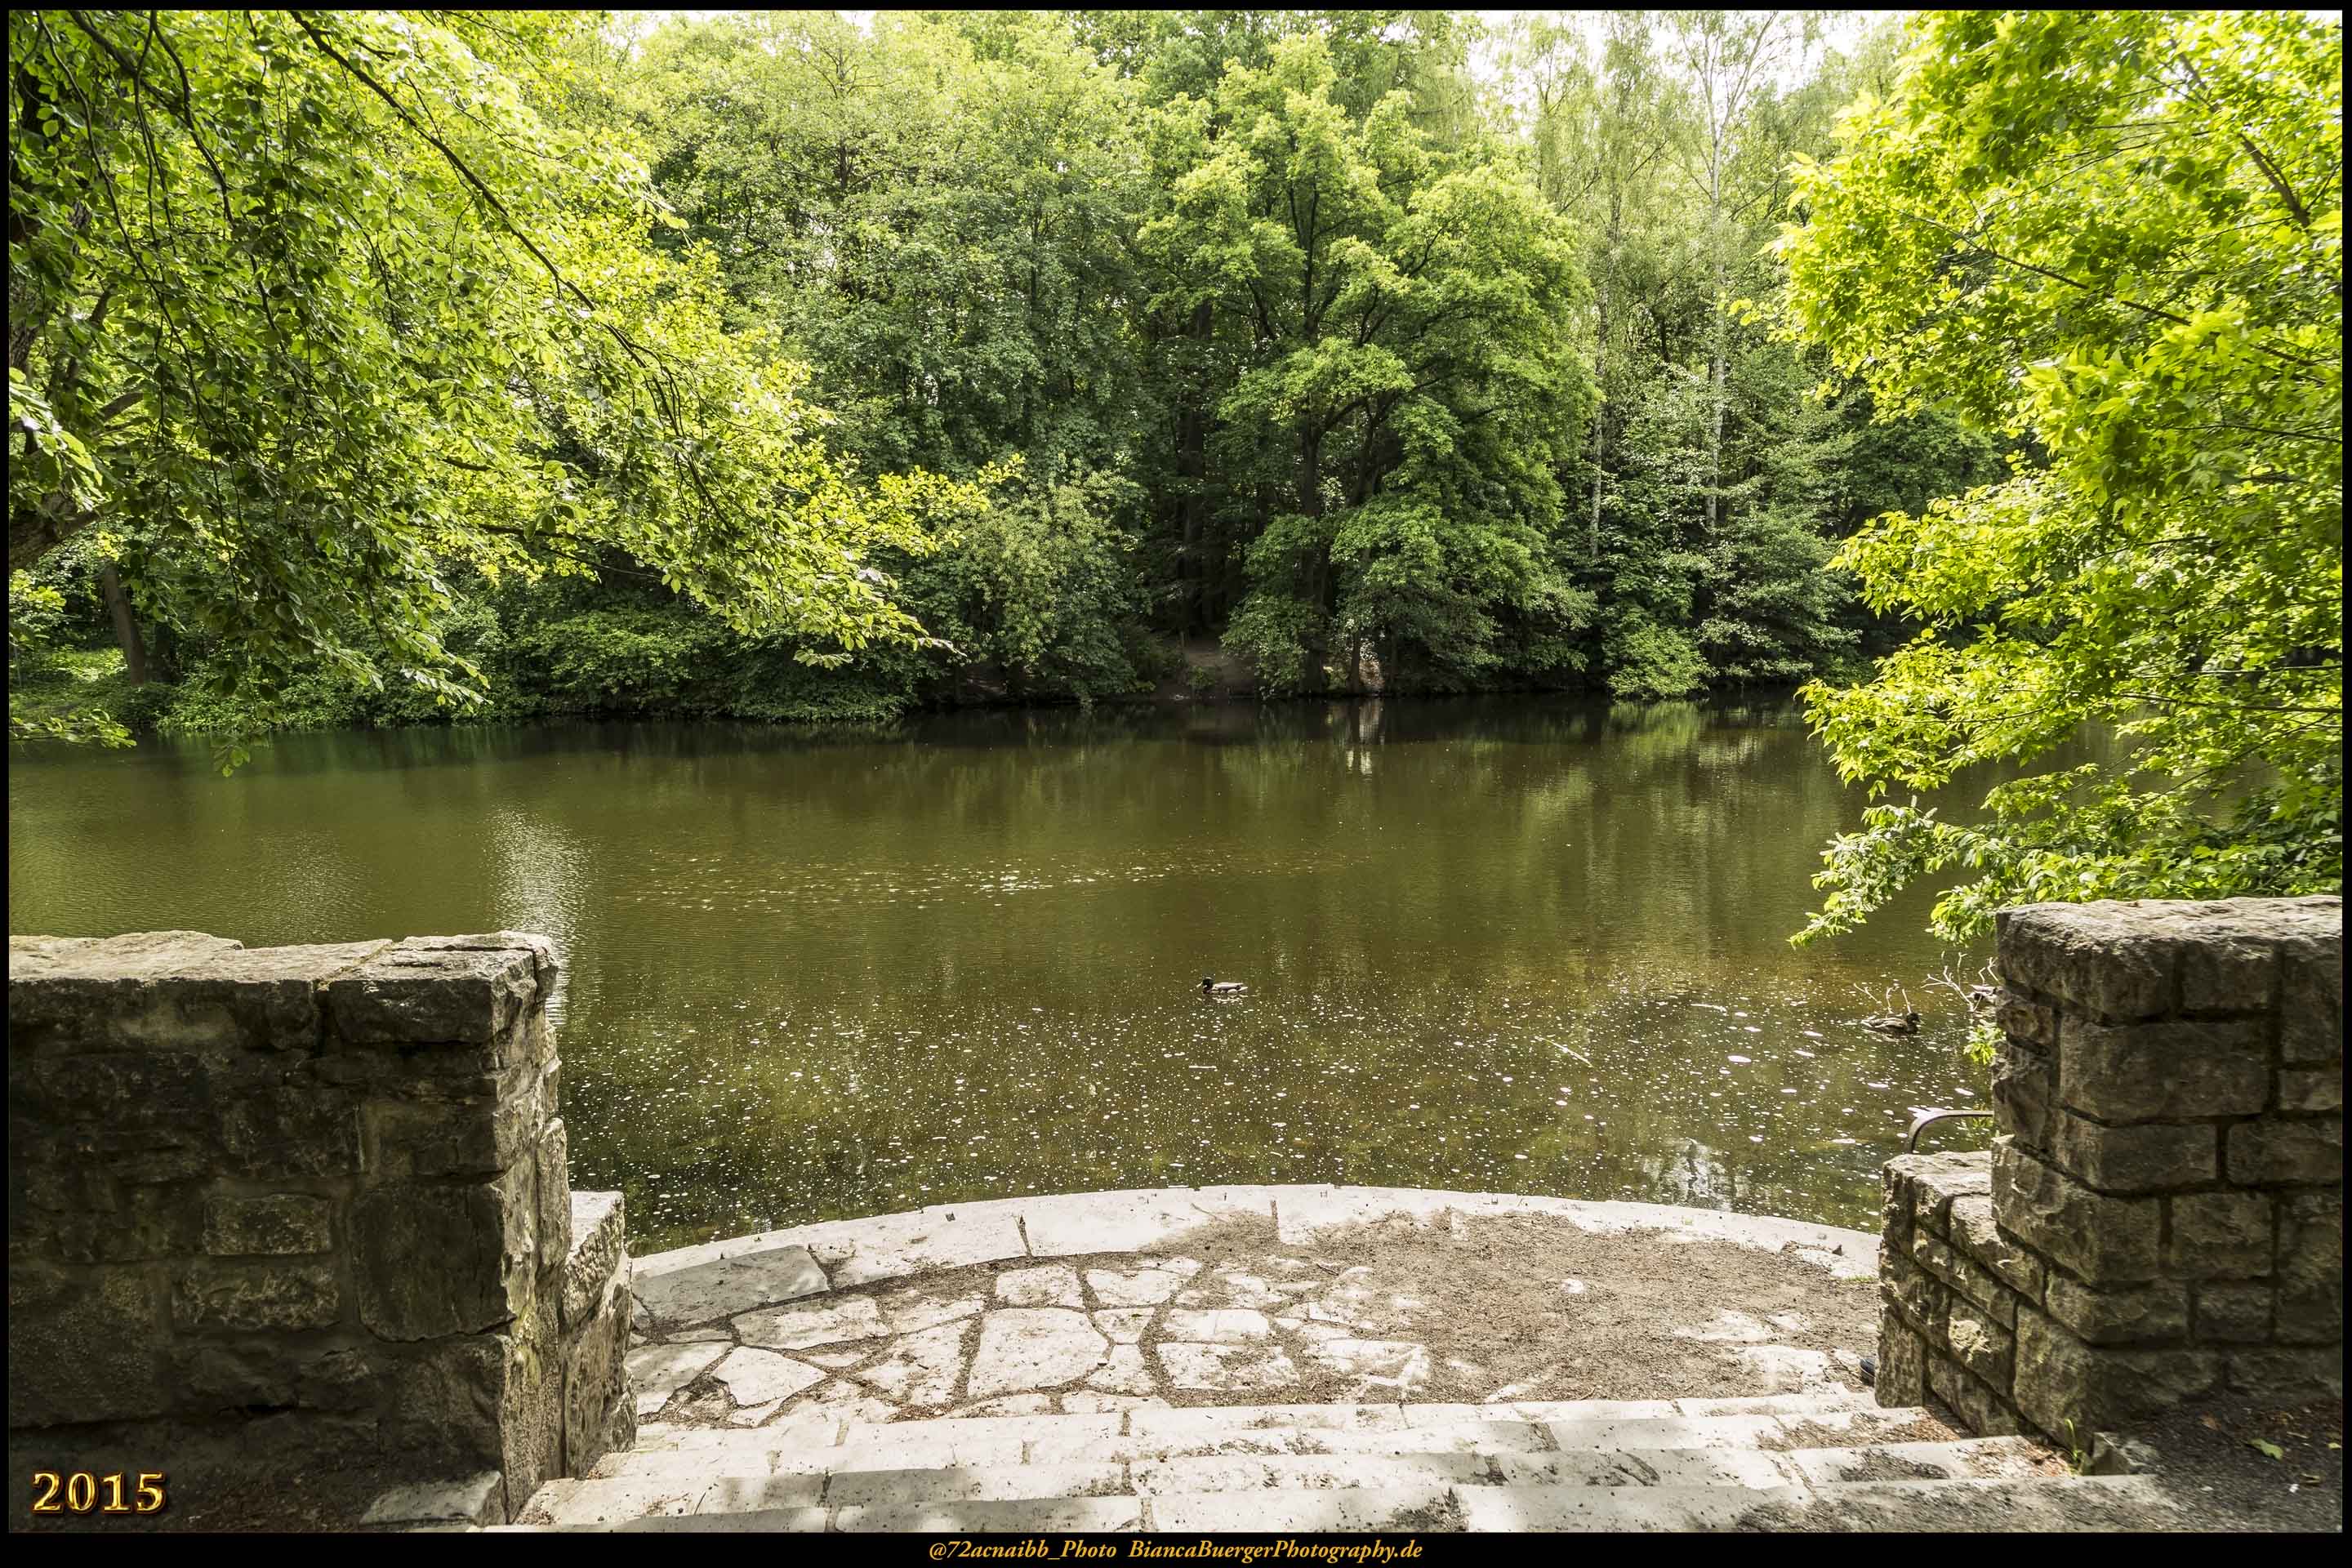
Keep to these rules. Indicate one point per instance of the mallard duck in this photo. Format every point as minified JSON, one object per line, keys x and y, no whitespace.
{"x":1891,"y":1022}
{"x":1213,"y":986}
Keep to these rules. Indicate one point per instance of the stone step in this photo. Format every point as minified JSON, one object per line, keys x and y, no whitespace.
{"x":1970,"y":1459}
{"x":2063,"y":1504}
{"x":1087,"y":1439}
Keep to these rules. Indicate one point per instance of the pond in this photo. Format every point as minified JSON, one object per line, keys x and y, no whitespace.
{"x":1510,"y":944}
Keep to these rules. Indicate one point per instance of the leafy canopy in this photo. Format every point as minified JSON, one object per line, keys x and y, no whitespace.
{"x":317,"y":306}
{"x":2114,"y":237}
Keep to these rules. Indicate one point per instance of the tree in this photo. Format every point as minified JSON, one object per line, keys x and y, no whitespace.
{"x":309,"y":310}
{"x":1405,"y":383}
{"x":2116,"y":239}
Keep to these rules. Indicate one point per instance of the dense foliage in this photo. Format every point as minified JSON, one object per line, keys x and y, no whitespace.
{"x":2115,"y":237}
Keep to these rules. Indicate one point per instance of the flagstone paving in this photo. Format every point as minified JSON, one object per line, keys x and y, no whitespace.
{"x":1114,"y":1302}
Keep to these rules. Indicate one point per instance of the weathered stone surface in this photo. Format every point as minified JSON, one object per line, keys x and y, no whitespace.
{"x":1976,"y":1234}
{"x":552,"y":1181}
{"x":598,"y":1242}
{"x":153,"y":990}
{"x":289,"y":1130}
{"x":2234,"y":1313}
{"x":343,"y":1378}
{"x":1137,"y":1286}
{"x":418,"y":992}
{"x":2068,"y":1389}
{"x":2025,"y":1021}
{"x":1938,"y":1180}
{"x":1124,"y":1372}
{"x":282,"y":1225}
{"x":1902,"y":1364}
{"x":921,"y":1368}
{"x":472,"y":1135}
{"x":1025,"y":1348}
{"x":2024,"y":1095}
{"x":2220,"y":1236}
{"x":1231,"y":1369}
{"x":818,"y":1323}
{"x":2311,"y":1089}
{"x":2274,"y":1151}
{"x":2310,"y":1268}
{"x":2311,"y":996}
{"x":1979,"y":1408}
{"x":2103,"y":958}
{"x":912,"y":1308}
{"x":1977,"y":1285}
{"x":727,"y":1286}
{"x":285,"y":1297}
{"x":2147,"y":1157}
{"x":1979,"y":1342}
{"x":2287,"y":1376}
{"x":429,"y":1260}
{"x":2123,"y":960}
{"x":2164,"y":1071}
{"x":1915,"y":1293}
{"x":444,"y":1400}
{"x":231,"y":1377}
{"x":2142,"y":1313}
{"x":83,"y":1345}
{"x":758,"y":1377}
{"x":659,"y":1371}
{"x":1049,"y":1285}
{"x":2110,"y":1240}
{"x":477,"y":1500}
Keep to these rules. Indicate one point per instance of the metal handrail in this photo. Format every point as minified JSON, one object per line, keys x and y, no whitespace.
{"x":1911,"y":1139}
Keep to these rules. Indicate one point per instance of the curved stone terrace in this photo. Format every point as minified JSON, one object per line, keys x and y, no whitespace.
{"x":1245,"y":1295}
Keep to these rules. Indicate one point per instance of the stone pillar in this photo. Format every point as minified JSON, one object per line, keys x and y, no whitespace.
{"x":2161,"y":1218}
{"x":305,"y":1200}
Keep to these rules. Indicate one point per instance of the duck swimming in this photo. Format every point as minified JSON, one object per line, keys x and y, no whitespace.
{"x":1894,"y":1023}
{"x":1213,"y":986}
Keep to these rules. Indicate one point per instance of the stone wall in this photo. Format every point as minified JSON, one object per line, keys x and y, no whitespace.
{"x":2160,"y":1219}
{"x":304,"y":1200}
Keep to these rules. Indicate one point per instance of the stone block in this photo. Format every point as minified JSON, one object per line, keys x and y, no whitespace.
{"x":344,"y":1378}
{"x":1978,"y":1408}
{"x":2105,"y":1240}
{"x":430,"y":1260}
{"x":1894,"y":1209}
{"x":2100,"y":958}
{"x":2025,"y":1021}
{"x":553,"y":1183}
{"x":231,"y":1378}
{"x":1978,"y":1342}
{"x":2144,"y":1157}
{"x":2229,"y":973}
{"x":122,"y":1089}
{"x":2068,"y":1389}
{"x":2155,"y":1314}
{"x":2177,"y":1071}
{"x":2273,"y":1151}
{"x":1976,"y":1234}
{"x":442,"y":1401}
{"x":598,"y":1400}
{"x":167,"y":990}
{"x":2024,"y":1096}
{"x":1912,"y":1291}
{"x":2311,"y":1089}
{"x":289,"y":1130}
{"x":2220,"y":1236}
{"x":531,"y":1413}
{"x":1933,"y":1181}
{"x":257,"y":1297}
{"x":1977,"y":1285}
{"x":282,"y":1225}
{"x":2288,"y":1376}
{"x":2310,"y":1269}
{"x":2231,"y":1314}
{"x":2311,"y":998}
{"x":83,"y":1345}
{"x":420,"y":993}
{"x":598,"y":1251}
{"x":1902,"y":1364}
{"x":84,"y":1216}
{"x":470,"y":1135}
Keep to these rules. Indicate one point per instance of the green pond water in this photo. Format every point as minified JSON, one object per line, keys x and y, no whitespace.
{"x":1509,"y":944}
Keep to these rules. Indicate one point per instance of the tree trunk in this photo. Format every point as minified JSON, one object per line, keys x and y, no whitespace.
{"x":126,"y":625}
